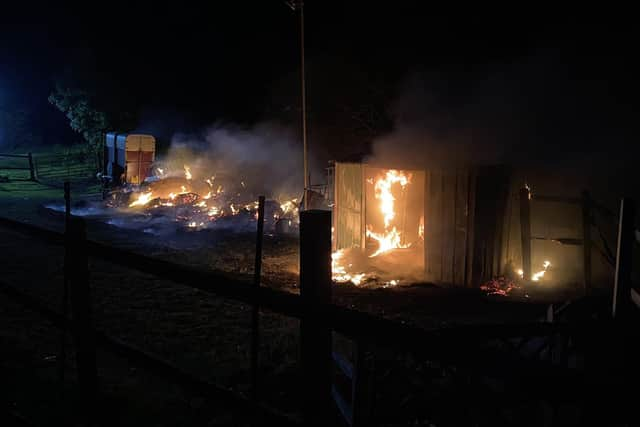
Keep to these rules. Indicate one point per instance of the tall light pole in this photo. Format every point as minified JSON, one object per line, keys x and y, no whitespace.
{"x":299,"y":6}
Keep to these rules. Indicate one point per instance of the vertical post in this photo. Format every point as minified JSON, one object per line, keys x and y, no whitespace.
{"x":32,"y":171}
{"x":65,"y":284}
{"x":455,"y":230}
{"x":442,"y":229}
{"x":626,"y":235}
{"x":525,"y":231}
{"x":78,"y":273}
{"x":255,"y":313}
{"x":315,"y":337}
{"x":586,"y":240}
{"x":67,"y":204}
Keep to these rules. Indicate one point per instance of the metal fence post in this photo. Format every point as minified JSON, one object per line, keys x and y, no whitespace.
{"x":78,"y":273}
{"x":626,"y":236}
{"x":525,"y":232}
{"x":315,"y":336}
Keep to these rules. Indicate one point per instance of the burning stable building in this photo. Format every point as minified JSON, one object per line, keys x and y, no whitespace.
{"x":393,"y":224}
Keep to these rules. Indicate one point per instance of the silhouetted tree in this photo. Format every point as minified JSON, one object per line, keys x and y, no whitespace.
{"x":84,"y":118}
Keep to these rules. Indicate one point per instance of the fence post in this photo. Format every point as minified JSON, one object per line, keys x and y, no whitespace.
{"x":32,"y":171}
{"x":255,"y":312}
{"x":78,"y":274}
{"x":525,"y":232}
{"x":626,"y":236}
{"x":315,"y":337}
{"x":65,"y":283}
{"x":586,"y":240}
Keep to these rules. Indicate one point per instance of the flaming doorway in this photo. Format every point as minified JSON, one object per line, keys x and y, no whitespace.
{"x":394,"y":225}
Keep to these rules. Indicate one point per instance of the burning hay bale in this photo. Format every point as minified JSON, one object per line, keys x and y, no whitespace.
{"x":194,"y":203}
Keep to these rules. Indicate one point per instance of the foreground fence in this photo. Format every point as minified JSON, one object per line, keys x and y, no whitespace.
{"x":458,"y":345}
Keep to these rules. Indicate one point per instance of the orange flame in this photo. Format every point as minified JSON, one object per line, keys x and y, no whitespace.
{"x":143,"y":199}
{"x":390,"y":238}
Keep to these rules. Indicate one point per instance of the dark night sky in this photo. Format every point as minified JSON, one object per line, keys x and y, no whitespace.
{"x":238,"y":61}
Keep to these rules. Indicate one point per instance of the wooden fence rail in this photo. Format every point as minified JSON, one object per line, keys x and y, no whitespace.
{"x":30,"y":167}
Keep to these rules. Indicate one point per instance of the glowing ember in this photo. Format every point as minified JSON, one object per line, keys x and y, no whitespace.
{"x":344,"y":270}
{"x":499,"y":286}
{"x":214,"y":211}
{"x":143,"y":199}
{"x":187,"y":172}
{"x":391,"y":237}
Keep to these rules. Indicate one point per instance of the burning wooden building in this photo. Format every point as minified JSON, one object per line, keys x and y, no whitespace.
{"x":418,"y":225}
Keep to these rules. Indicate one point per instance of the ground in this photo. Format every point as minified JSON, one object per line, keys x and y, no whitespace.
{"x":202,"y":333}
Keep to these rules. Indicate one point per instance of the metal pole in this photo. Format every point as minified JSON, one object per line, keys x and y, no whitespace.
{"x":255,"y":313}
{"x":307,"y":178}
{"x":525,"y":232}
{"x":624,"y":259}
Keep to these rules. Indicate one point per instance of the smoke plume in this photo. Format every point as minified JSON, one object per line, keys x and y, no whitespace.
{"x":267,"y":157}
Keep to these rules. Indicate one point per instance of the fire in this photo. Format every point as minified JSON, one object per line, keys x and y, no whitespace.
{"x":391,"y":238}
{"x":290,"y":206}
{"x":198,"y":201}
{"x":535,"y":277}
{"x":386,"y":241}
{"x":339,"y":272}
{"x":143,"y":199}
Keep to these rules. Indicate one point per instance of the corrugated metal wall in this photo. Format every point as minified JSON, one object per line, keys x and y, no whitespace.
{"x":464,"y":212}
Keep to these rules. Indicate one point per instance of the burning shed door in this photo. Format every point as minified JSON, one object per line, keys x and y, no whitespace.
{"x":394,"y":220}
{"x":380,"y":212}
{"x":348,"y":217}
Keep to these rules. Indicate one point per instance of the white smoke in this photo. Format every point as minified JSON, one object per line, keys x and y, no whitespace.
{"x":266,"y":157}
